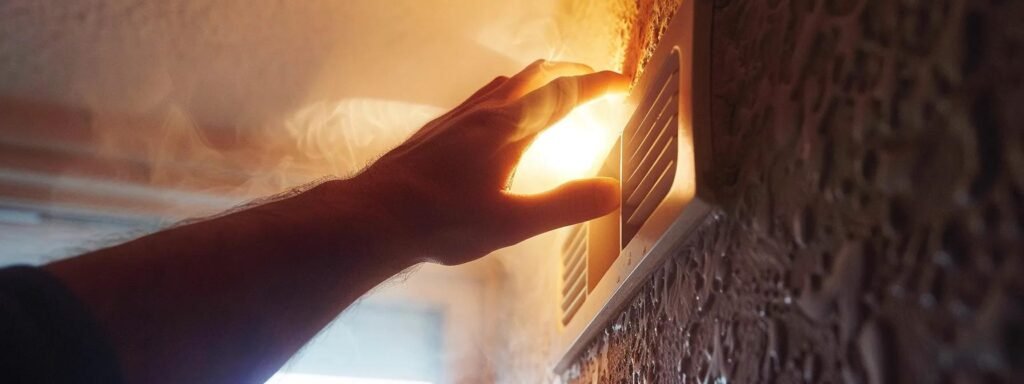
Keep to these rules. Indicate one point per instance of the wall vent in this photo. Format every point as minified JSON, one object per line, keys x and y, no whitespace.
{"x":662,"y":150}
{"x":651,"y":150}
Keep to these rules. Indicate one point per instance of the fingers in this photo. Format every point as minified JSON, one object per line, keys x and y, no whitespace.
{"x":570,"y":203}
{"x":538,"y":74}
{"x":550,"y":103}
{"x":477,"y":96}
{"x":534,"y":76}
{"x":543,"y":101}
{"x":480,"y":94}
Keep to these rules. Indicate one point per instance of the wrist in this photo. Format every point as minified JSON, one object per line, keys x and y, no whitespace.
{"x":354,"y":217}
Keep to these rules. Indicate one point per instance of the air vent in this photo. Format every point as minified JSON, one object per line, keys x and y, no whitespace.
{"x":650,"y":152}
{"x":663,"y":149}
{"x":574,"y":272}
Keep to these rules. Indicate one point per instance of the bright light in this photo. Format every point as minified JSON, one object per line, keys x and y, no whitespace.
{"x":300,"y":378}
{"x":572,"y":148}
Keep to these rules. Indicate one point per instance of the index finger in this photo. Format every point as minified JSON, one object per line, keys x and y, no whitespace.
{"x":543,"y":107}
{"x":538,"y":74}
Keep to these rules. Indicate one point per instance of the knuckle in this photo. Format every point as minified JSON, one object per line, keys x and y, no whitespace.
{"x":563,"y":94}
{"x":567,"y":86}
{"x":492,"y":118}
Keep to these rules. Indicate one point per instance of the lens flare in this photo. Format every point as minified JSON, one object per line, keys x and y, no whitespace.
{"x":574,"y":147}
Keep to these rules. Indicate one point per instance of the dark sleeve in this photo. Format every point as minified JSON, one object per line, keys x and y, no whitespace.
{"x":48,"y":336}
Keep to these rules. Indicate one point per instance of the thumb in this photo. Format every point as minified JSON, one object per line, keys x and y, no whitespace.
{"x":570,"y":203}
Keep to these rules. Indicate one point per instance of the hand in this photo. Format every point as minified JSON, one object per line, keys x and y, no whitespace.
{"x":444,"y":190}
{"x":189,"y":303}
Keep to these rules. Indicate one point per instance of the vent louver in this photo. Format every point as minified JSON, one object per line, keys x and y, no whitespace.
{"x":574,"y":271}
{"x":650,"y":151}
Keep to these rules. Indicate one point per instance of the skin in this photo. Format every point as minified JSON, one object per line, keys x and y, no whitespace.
{"x":230,"y":299}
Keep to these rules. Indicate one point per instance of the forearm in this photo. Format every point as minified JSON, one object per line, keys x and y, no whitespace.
{"x":234,"y":297}
{"x":230,"y":299}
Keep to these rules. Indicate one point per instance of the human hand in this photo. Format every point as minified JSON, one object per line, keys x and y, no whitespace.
{"x":443,"y":192}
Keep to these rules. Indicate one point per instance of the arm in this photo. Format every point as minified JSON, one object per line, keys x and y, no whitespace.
{"x":232,"y":298}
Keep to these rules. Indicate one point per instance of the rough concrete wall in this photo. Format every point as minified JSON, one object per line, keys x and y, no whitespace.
{"x":869,"y":169}
{"x":649,"y":22}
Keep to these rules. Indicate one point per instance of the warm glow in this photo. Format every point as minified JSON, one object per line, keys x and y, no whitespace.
{"x":572,"y":148}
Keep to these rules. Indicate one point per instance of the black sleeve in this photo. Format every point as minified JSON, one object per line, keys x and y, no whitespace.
{"x":48,"y":336}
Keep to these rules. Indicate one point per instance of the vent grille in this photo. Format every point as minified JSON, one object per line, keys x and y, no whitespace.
{"x":650,"y":150}
{"x":574,"y":271}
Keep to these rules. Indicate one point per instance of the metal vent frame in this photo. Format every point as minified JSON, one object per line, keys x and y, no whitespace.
{"x":662,"y":223}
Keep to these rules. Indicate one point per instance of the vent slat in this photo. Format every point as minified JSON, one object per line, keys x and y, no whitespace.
{"x":572,"y":306}
{"x":651,"y":200}
{"x":653,"y":157}
{"x":650,"y":151}
{"x":574,"y":260}
{"x":629,"y":142}
{"x":653,"y":172}
{"x":574,"y":249}
{"x":571,"y":261}
{"x":577,"y":234}
{"x":667,"y":112}
{"x":577,"y":253}
{"x":571,"y":270}
{"x":574,"y":270}
{"x":574,"y":286}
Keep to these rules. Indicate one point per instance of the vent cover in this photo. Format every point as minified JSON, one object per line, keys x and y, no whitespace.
{"x":650,"y":150}
{"x":658,"y":159}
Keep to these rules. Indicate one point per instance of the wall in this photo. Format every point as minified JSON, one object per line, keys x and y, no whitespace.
{"x":120,"y":115}
{"x":151,"y":108}
{"x":869,"y":178}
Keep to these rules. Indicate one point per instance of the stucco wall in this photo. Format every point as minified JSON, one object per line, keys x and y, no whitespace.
{"x":868,"y":177}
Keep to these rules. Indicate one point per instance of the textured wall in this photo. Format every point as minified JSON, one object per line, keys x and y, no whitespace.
{"x":869,"y":174}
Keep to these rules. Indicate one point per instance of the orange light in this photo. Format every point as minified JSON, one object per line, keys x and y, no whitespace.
{"x":574,"y":147}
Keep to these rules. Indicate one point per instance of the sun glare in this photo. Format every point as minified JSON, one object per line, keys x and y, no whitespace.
{"x":574,"y":147}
